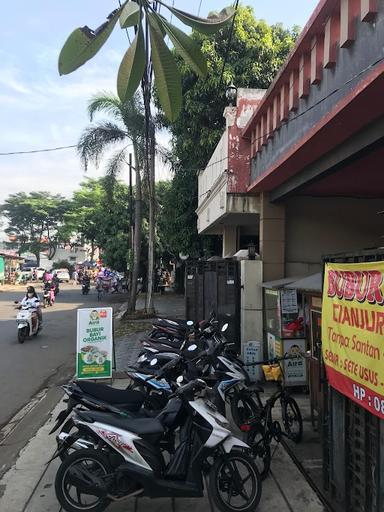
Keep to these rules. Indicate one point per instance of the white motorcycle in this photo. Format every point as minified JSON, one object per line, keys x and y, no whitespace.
{"x":116,"y":457}
{"x":28,"y":324}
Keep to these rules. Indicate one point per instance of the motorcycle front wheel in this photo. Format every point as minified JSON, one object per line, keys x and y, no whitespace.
{"x":74,"y":483}
{"x":235,"y":483}
{"x":22,"y":334}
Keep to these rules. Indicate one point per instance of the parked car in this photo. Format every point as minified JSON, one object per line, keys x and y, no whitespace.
{"x":62,"y":274}
{"x":39,"y":273}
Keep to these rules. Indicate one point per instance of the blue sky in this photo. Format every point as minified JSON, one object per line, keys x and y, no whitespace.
{"x":39,"y":109}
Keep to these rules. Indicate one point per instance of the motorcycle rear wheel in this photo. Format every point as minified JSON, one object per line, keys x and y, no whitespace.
{"x":83,"y":462}
{"x":233,"y":476}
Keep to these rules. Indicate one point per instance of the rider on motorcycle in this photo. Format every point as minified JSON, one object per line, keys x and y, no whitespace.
{"x":32,"y":301}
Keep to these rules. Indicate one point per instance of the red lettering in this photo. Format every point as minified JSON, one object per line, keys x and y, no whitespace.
{"x":340,"y":284}
{"x":374,"y":294}
{"x":346,"y":318}
{"x":349,"y":290}
{"x":332,"y":278}
{"x":362,"y":285}
{"x":379,"y":322}
{"x":336,"y":315}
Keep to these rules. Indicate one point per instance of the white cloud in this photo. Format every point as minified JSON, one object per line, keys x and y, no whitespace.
{"x":9,"y":78}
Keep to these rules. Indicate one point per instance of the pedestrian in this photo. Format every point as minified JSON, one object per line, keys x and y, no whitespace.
{"x":74,"y":277}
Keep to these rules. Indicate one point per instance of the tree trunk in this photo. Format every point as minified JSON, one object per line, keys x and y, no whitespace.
{"x":152,"y":219}
{"x":92,"y":251}
{"x":137,"y":237}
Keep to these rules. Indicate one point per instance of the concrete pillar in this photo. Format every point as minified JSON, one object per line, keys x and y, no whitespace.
{"x":251,"y":301}
{"x":272,"y":238}
{"x":229,"y":240}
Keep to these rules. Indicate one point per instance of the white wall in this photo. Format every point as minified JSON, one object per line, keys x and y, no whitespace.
{"x":215,"y":167}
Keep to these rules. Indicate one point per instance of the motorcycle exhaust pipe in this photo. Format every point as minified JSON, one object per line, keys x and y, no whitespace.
{"x":79,"y":444}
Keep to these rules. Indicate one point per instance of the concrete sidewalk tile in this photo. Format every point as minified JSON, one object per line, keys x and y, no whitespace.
{"x":44,"y":498}
{"x":19,"y":483}
{"x":295,"y":488}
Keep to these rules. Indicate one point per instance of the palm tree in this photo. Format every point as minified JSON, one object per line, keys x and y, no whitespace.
{"x":127,"y":126}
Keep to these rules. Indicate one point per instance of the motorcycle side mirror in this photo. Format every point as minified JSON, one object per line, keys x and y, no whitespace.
{"x":190,"y":323}
{"x":16,"y":302}
{"x":180,"y":380}
{"x":153,"y":361}
{"x":224,"y":328}
{"x":191,"y":348}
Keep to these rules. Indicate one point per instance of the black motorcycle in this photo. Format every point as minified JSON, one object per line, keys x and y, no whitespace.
{"x":85,"y":287}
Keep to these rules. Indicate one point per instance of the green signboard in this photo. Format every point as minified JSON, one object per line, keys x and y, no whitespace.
{"x":94,"y":343}
{"x":2,"y":269}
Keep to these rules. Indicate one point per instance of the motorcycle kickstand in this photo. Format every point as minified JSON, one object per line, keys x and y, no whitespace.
{"x":209,"y":496}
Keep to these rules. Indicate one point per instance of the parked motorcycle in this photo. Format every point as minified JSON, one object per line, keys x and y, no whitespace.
{"x":148,"y":394}
{"x":125,"y":458}
{"x":27,"y":323}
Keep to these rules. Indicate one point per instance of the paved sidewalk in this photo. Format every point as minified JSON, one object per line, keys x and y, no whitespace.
{"x":29,"y":485}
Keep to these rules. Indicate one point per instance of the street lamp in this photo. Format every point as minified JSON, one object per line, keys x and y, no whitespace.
{"x":231,"y":94}
{"x":251,"y":251}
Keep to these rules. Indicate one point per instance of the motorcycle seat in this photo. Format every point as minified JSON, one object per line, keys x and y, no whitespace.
{"x":126,"y":397}
{"x":256,"y":387}
{"x":173,"y":324}
{"x":140,"y":426}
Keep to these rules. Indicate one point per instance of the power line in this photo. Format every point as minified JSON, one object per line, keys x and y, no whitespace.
{"x":293,"y":118}
{"x":46,"y":150}
{"x":198,"y":12}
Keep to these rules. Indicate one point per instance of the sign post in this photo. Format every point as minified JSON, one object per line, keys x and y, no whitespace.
{"x":94,"y":343}
{"x":353,"y":332}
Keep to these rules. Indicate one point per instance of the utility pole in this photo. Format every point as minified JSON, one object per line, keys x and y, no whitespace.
{"x":131,"y":228}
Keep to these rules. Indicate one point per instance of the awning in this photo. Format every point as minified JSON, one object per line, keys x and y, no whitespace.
{"x":280,"y":283}
{"x":311,"y":283}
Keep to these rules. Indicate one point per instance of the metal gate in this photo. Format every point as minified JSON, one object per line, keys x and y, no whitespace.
{"x":214,"y":286}
{"x":353,"y":439}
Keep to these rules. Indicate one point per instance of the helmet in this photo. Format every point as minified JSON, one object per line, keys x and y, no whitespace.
{"x":31,"y":289}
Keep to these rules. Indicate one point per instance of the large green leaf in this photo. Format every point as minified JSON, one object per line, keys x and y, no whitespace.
{"x":167,"y":76}
{"x":84,"y":43}
{"x":208,"y":25}
{"x":157,"y":23}
{"x":132,"y":67}
{"x":130,"y":15}
{"x":187,"y":48}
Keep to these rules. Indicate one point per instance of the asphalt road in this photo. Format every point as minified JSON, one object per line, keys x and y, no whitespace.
{"x":45,"y":360}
